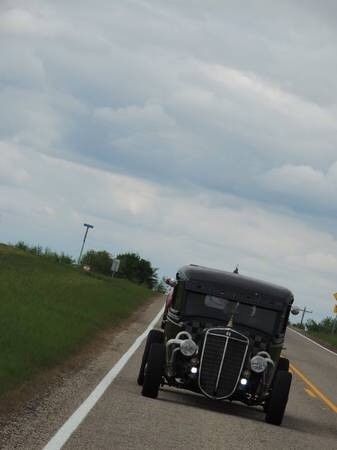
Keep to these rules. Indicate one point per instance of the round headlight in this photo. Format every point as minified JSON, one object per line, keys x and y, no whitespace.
{"x":258,"y":364}
{"x":188,"y":347}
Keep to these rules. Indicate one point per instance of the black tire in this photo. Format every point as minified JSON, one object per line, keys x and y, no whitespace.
{"x":283,"y":364}
{"x":154,"y":370}
{"x":265,"y":405}
{"x":279,"y":397}
{"x":154,"y":337}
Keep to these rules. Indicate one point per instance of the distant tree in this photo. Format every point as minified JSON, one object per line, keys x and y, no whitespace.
{"x":312,"y":325}
{"x":324,"y":325}
{"x":161,"y":286}
{"x":22,"y":246}
{"x":137,"y":269}
{"x":327,"y":323}
{"x":99,"y":261}
{"x":37,"y":250}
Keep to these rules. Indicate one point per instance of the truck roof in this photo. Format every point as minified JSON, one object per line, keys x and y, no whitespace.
{"x":237,"y":284}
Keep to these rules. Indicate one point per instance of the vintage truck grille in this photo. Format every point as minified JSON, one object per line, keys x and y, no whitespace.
{"x":223,"y":355}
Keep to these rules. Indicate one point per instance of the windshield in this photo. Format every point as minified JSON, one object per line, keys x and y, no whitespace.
{"x":222,"y":309}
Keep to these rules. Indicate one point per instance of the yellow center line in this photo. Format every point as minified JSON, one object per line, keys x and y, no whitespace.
{"x":314,"y":389}
{"x":309,"y":392}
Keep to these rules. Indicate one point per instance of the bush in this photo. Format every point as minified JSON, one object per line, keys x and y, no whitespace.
{"x":99,"y":261}
{"x":327,"y":323}
{"x":21,"y":246}
{"x":324,"y":326}
{"x":137,"y":269}
{"x":312,"y":326}
{"x":37,"y":250}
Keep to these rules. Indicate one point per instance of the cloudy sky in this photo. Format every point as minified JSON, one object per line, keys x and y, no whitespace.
{"x":191,"y":132}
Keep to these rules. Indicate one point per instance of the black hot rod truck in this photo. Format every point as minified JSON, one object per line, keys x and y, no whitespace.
{"x":222,"y":336}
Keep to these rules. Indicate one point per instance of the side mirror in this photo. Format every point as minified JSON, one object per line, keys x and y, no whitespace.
{"x":171,"y":282}
{"x":295,"y":310}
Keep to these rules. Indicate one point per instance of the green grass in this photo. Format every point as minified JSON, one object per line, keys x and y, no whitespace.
{"x":325,"y":337}
{"x":322,"y":336}
{"x":48,"y":310}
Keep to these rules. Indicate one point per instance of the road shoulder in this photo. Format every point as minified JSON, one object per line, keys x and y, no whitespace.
{"x":315,"y":339}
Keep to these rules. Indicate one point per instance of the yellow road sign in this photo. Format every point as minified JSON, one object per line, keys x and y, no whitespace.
{"x":335,"y":309}
{"x":335,"y":295}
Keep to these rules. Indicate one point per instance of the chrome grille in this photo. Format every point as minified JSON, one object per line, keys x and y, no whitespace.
{"x":223,"y":355}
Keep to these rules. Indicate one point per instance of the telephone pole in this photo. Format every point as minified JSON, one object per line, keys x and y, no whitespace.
{"x":304,"y":312}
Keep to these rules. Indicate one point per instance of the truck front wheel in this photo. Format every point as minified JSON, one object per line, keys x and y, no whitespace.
{"x":154,"y":336}
{"x":277,"y":402}
{"x":154,"y":371}
{"x":283,"y":364}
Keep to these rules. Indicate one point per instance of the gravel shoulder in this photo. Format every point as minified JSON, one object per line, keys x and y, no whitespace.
{"x":29,"y":416}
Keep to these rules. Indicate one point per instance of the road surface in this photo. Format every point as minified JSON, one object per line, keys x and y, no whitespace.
{"x":123,"y":419}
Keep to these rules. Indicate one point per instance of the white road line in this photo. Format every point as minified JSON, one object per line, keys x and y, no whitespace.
{"x":67,"y":429}
{"x":308,"y":339}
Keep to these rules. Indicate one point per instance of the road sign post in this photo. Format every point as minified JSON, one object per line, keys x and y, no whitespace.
{"x":115,"y":266}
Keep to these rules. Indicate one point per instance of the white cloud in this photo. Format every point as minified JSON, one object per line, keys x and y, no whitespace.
{"x":271,"y":96}
{"x":11,"y":172}
{"x":305,"y":185}
{"x":19,"y":21}
{"x":170,"y":226}
{"x":149,"y":117}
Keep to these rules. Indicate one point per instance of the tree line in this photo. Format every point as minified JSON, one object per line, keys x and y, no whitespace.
{"x":324,"y":326}
{"x":46,"y":252}
{"x":132,"y":266}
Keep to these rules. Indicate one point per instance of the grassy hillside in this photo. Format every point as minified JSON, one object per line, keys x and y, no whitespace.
{"x":329,"y":338}
{"x":47,"y":310}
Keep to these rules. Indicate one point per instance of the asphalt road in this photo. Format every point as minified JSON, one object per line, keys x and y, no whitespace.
{"x":123,"y":419}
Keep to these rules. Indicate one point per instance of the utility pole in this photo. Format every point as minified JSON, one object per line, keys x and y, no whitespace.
{"x":87,"y":226}
{"x":304,"y":312}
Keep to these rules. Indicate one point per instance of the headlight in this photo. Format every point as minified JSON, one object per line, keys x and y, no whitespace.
{"x":188,"y":347}
{"x":258,"y":364}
